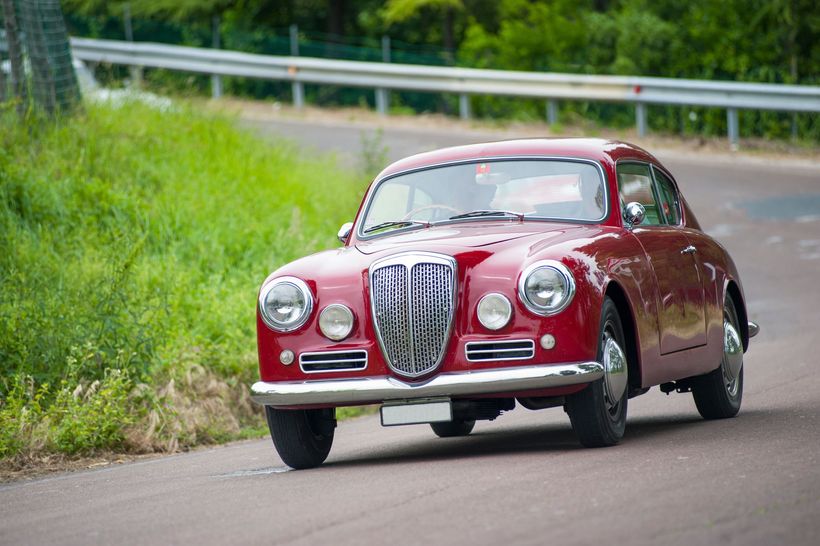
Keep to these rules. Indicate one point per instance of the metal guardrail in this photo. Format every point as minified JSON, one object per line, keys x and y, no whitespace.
{"x":462,"y":81}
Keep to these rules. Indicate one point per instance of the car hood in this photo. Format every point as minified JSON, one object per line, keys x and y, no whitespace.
{"x":466,"y":235}
{"x":497,"y":246}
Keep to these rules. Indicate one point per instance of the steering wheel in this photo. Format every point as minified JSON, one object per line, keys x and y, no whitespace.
{"x":413,"y":212}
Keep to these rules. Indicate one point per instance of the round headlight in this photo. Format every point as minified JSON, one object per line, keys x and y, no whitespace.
{"x":494,"y":311}
{"x":285,"y":303}
{"x":336,"y":321}
{"x":546,"y":288}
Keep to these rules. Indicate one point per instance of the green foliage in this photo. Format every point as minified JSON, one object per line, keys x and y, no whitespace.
{"x":74,"y":417}
{"x":402,"y":10}
{"x":141,"y":236}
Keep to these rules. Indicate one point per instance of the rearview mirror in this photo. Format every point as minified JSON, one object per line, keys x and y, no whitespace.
{"x":634,"y":213}
{"x":344,"y":232}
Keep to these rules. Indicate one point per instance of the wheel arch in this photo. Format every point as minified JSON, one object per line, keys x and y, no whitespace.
{"x":733,"y":290}
{"x":616,"y":293}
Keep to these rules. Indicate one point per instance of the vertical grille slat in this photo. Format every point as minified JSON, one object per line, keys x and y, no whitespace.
{"x":412,"y":298}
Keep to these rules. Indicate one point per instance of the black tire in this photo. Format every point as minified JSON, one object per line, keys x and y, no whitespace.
{"x":302,"y":437}
{"x":716,"y":395}
{"x":451,"y":429}
{"x":597,"y":422}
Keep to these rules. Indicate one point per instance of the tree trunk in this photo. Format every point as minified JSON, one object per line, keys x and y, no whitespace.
{"x":448,"y":34}
{"x":18,"y":82}
{"x":45,"y":95}
{"x":336,"y":17}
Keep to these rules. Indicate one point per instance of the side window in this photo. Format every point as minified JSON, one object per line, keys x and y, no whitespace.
{"x":635,"y":184}
{"x":668,"y":197}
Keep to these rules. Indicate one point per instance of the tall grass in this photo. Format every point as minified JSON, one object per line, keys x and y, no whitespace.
{"x":132,"y":244}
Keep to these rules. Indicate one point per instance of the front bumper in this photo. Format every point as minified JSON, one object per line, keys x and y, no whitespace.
{"x":379,"y":389}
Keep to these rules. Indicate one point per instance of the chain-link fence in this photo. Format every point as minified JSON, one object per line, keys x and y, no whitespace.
{"x":40,"y":68}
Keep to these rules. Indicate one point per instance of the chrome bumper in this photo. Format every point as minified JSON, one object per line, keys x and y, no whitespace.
{"x":753,"y":329}
{"x":378,"y":389}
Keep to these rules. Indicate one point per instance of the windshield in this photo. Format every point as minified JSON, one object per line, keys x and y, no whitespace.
{"x":551,"y":189}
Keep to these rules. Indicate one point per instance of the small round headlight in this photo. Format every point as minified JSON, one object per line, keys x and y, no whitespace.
{"x":546,"y":288}
{"x":494,"y":311}
{"x":336,"y":321}
{"x":285,"y":303}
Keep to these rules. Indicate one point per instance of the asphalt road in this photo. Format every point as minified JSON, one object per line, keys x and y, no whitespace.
{"x":521,"y":479}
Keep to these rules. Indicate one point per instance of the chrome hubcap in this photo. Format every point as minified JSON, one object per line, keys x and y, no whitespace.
{"x":732,"y":357}
{"x":615,"y":377}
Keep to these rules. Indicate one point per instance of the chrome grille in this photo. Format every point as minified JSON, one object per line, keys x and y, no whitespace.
{"x":333,"y":361}
{"x":412,"y":297}
{"x":519,"y":349}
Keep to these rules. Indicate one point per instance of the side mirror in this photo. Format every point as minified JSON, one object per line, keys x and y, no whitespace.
{"x":344,"y":232}
{"x":634,"y":214}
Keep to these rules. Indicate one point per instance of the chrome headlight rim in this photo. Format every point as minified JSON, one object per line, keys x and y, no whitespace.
{"x":302,"y":287}
{"x":507,"y":304}
{"x":347,"y":311}
{"x":569,"y":282}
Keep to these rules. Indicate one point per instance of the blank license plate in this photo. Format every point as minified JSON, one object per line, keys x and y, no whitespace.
{"x":417,"y":413}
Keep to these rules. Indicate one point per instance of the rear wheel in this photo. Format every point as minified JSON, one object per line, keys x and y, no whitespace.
{"x":450,"y":429}
{"x":718,"y":393}
{"x":302,"y":437}
{"x":598,"y":413}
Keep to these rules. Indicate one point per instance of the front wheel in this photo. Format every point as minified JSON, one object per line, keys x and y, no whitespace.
{"x":302,"y":437}
{"x":451,"y":429}
{"x":718,"y":393}
{"x":598,"y":413}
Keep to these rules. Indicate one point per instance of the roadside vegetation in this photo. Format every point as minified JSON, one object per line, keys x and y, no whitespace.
{"x":132,"y":244}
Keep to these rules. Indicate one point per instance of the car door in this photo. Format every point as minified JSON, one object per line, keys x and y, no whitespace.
{"x":681,"y":306}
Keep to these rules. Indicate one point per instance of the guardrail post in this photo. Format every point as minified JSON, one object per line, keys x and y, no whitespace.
{"x":134,"y":71}
{"x":464,"y":106}
{"x":216,"y":80}
{"x":732,"y":128}
{"x":552,"y":112}
{"x":297,"y":86}
{"x":382,"y":94}
{"x":640,"y":118}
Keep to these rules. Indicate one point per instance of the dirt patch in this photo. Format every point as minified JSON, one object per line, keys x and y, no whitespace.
{"x":29,"y":468}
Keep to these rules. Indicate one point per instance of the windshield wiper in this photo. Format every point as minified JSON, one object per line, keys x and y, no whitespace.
{"x":479,"y":213}
{"x":395,"y":223}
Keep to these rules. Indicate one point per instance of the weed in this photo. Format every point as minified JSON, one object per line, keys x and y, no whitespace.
{"x":132,"y":244}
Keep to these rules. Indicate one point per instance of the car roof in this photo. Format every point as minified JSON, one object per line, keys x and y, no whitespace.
{"x":596,"y":149}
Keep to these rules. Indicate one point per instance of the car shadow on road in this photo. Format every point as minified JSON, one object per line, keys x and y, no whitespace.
{"x":549,"y":438}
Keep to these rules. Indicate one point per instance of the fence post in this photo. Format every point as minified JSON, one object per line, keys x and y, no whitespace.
{"x":640,"y":118}
{"x":135,"y":71}
{"x":382,"y":94}
{"x":297,"y":86}
{"x":552,"y":112}
{"x":732,"y":128}
{"x":216,"y":80}
{"x":464,"y":106}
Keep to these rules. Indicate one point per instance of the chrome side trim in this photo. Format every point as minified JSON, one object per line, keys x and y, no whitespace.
{"x":478,"y":349}
{"x":754,"y":329}
{"x":357,"y":363}
{"x":378,"y":389}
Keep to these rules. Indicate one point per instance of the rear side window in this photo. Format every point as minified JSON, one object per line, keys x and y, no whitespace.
{"x":669,"y":198}
{"x":635,"y":184}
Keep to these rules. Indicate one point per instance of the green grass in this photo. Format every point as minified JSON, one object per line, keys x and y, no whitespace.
{"x":132,"y":244}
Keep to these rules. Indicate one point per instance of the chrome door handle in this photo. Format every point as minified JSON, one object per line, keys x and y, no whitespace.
{"x":689,"y":250}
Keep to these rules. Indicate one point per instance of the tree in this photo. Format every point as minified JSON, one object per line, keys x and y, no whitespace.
{"x":402,"y":10}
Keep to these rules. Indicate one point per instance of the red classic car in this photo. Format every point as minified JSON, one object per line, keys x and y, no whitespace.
{"x":551,"y":272}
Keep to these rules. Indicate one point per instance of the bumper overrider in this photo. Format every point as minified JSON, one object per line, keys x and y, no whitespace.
{"x":451,"y":384}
